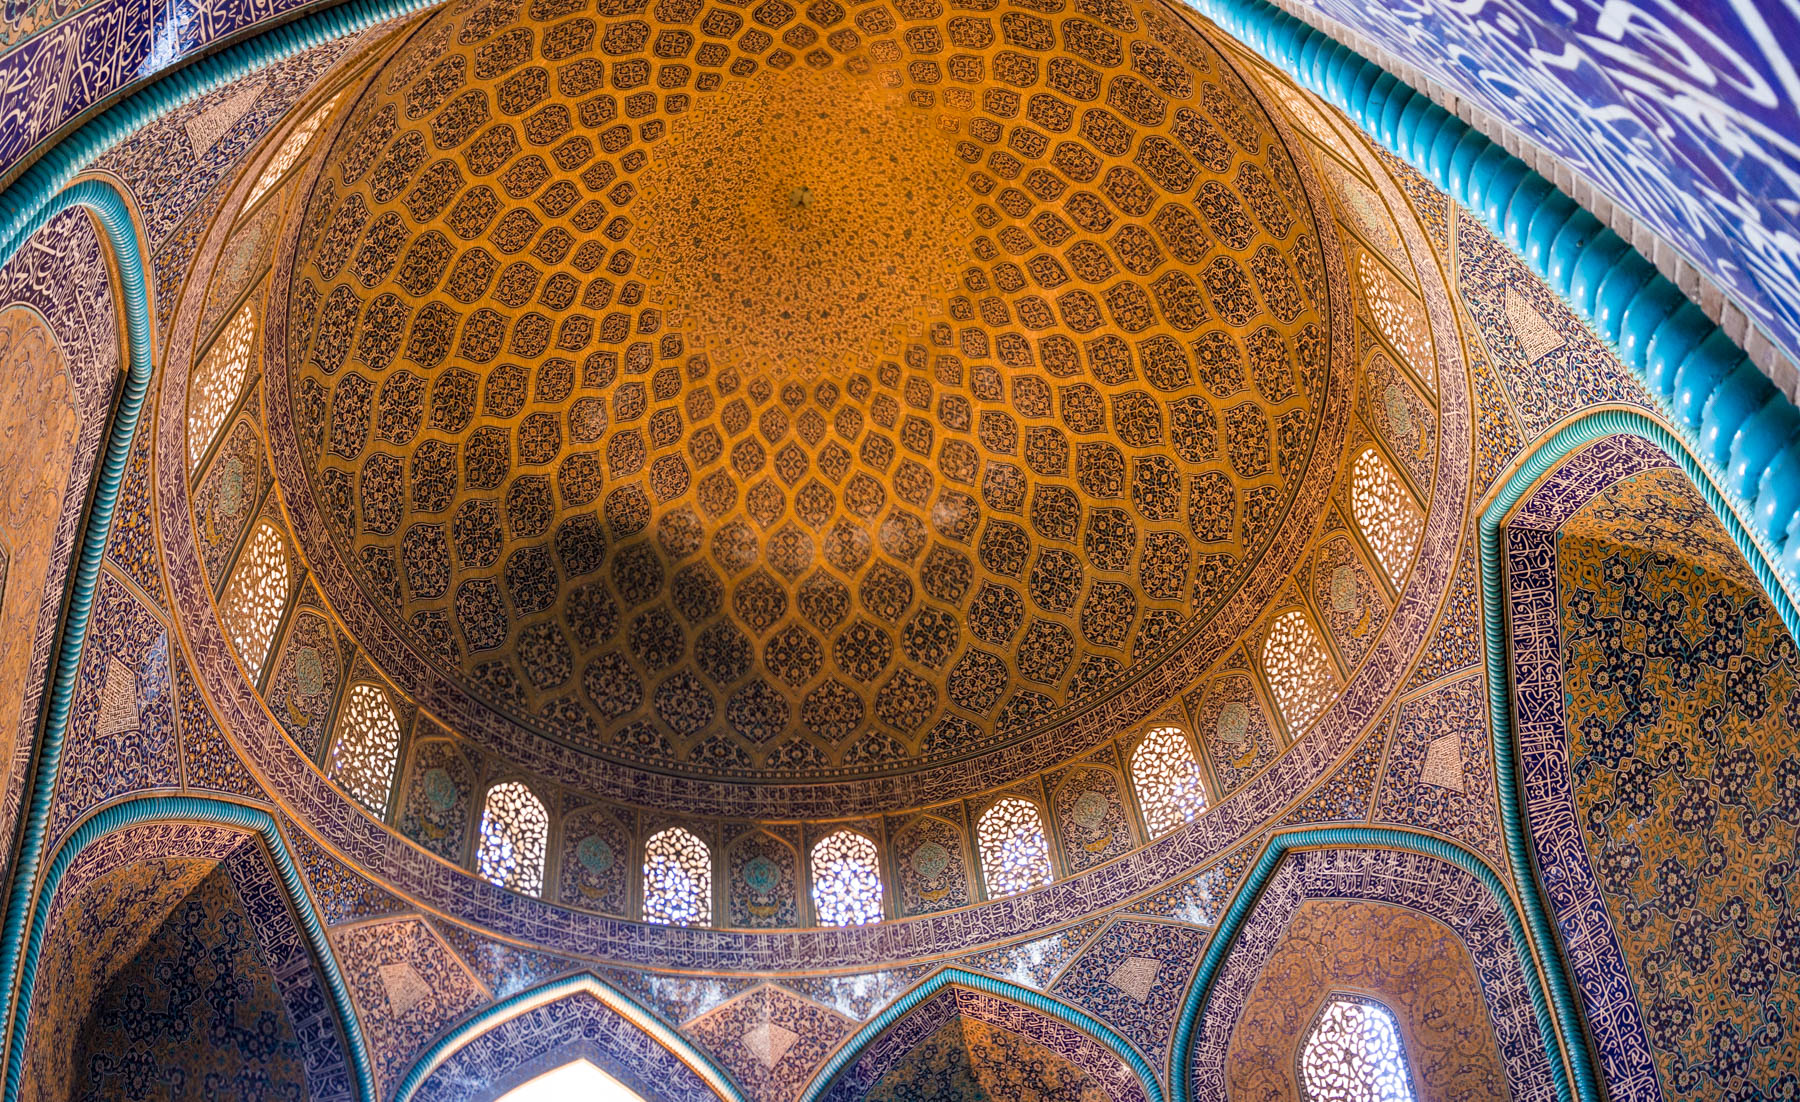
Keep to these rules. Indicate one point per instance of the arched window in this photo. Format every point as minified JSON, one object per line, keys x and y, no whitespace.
{"x":1015,"y":855}
{"x":1353,"y":1054}
{"x":1398,"y":316}
{"x":254,"y":597}
{"x":1299,"y":670}
{"x":1385,"y":513}
{"x":677,"y":879}
{"x":514,"y":828}
{"x":218,"y":382}
{"x":291,"y":148}
{"x":577,"y":1079}
{"x":1167,"y":779}
{"x":846,"y":880}
{"x":367,"y":747}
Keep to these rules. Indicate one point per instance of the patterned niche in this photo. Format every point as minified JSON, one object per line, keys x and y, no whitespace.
{"x":1348,"y":596}
{"x":229,"y":494}
{"x":1235,"y":728}
{"x":931,"y":866}
{"x":304,"y":686}
{"x":764,"y":885}
{"x":596,"y":857}
{"x":1090,"y":812}
{"x":435,"y":809}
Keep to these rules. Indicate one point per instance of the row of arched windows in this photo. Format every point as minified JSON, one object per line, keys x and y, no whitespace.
{"x":847,"y":886}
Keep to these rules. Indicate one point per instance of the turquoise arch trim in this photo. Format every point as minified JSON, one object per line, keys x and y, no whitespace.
{"x":201,"y":809}
{"x":525,"y":1001}
{"x":1549,"y":1008}
{"x":987,"y":985}
{"x":1541,"y":461}
{"x":1727,"y":414}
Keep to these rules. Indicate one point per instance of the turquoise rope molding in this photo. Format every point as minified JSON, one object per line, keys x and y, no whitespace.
{"x":1243,"y":904}
{"x":201,"y":809}
{"x":1548,"y":455}
{"x":1744,"y":432}
{"x":48,"y":188}
{"x":584,"y":983}
{"x":987,"y":985}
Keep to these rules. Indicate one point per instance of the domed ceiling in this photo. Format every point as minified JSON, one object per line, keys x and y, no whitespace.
{"x":805,"y":395}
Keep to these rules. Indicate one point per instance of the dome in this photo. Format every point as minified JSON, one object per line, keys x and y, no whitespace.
{"x":801,"y":410}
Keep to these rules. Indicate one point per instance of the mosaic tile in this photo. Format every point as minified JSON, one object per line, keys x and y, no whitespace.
{"x":1440,"y":772}
{"x":1133,"y":976}
{"x":407,"y":986}
{"x":770,"y":1041}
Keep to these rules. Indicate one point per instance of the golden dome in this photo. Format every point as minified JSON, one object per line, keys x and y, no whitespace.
{"x":798,"y":395}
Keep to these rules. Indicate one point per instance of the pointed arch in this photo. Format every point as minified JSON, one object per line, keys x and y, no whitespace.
{"x":514,"y":838}
{"x":1353,"y":1050}
{"x":861,"y":1060}
{"x":1424,"y":872}
{"x":365,"y":749}
{"x":117,"y":819}
{"x":531,"y":1032}
{"x":1014,"y":845}
{"x":1165,"y":775}
{"x":846,"y":879}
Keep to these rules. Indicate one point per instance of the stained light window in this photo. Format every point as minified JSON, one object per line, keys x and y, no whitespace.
{"x":846,"y":880}
{"x":367,"y":747}
{"x":254,"y":597}
{"x":291,"y":148}
{"x":677,"y":879}
{"x":1353,"y":1054}
{"x":575,"y":1081}
{"x":1398,"y":316}
{"x":1015,"y":855}
{"x":514,"y":829}
{"x":1299,"y":670}
{"x":1167,"y":779}
{"x":1385,"y":513}
{"x":218,"y":382}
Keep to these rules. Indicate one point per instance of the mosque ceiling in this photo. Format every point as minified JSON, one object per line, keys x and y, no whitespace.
{"x":802,"y":394}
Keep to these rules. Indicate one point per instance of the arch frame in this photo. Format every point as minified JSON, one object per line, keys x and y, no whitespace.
{"x":1547,"y":1014}
{"x":1529,"y":474}
{"x":853,"y":1046}
{"x":515,"y":1006}
{"x":212,"y":811}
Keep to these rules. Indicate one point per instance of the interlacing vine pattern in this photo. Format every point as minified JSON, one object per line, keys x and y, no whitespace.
{"x":254,"y":597}
{"x":514,"y":830}
{"x":1299,"y":670}
{"x":367,"y":747}
{"x":290,"y":151}
{"x":846,"y":880}
{"x":218,"y":382}
{"x":1385,"y":513}
{"x":1353,"y":1054}
{"x":1167,"y":780}
{"x":677,"y":879}
{"x":1015,"y":855}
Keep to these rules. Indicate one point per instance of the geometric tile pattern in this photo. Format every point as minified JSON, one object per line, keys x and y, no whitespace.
{"x":1133,"y":977}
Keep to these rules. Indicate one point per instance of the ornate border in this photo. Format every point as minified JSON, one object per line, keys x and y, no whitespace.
{"x":626,"y":1018}
{"x":1429,"y":873}
{"x":846,"y":1070}
{"x":195,"y":809}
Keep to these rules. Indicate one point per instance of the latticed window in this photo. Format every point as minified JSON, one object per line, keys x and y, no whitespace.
{"x":254,"y":597}
{"x":514,"y":830}
{"x":1398,"y":316}
{"x":1385,"y":513}
{"x":295,"y":144}
{"x":1167,"y":779}
{"x":1353,"y":1054}
{"x":218,"y":382}
{"x":846,"y":880}
{"x":1015,"y":855}
{"x":677,"y":879}
{"x":367,"y":747}
{"x":1299,"y":670}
